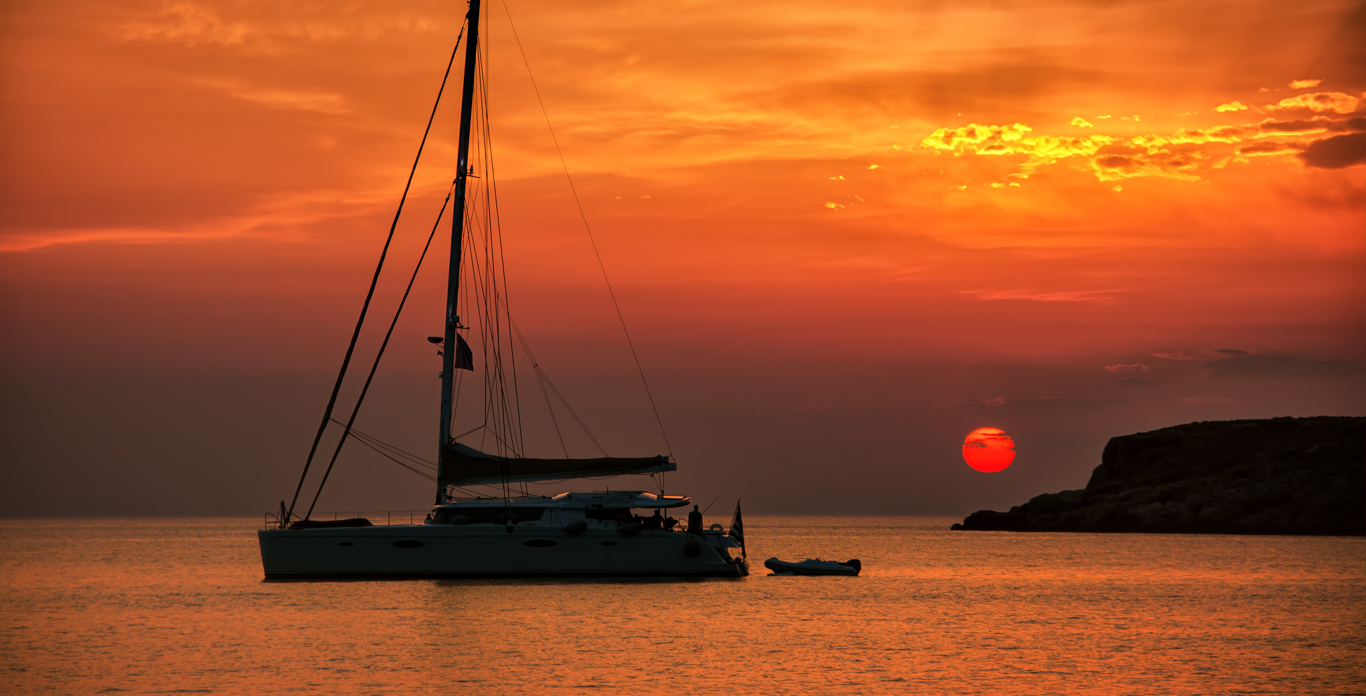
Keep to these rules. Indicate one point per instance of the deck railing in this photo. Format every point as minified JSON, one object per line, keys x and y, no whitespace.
{"x":378,"y":518}
{"x":392,"y":517}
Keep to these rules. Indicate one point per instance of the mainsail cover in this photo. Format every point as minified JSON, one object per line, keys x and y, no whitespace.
{"x":465,"y":466}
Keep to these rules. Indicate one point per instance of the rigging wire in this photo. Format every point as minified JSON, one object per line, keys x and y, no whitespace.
{"x":496,"y":228}
{"x":391,"y":452}
{"x":478,"y":272}
{"x":378,"y":356}
{"x":589,"y":230}
{"x":479,"y":289}
{"x":549,"y":407}
{"x":459,"y":376}
{"x":378,"y":446}
{"x":494,"y":222}
{"x":484,"y":279}
{"x":542,"y":375}
{"x":479,"y":283}
{"x":397,"y":451}
{"x":494,"y":312}
{"x":365,"y":308}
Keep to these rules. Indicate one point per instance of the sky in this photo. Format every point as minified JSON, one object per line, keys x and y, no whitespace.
{"x":843,"y":236}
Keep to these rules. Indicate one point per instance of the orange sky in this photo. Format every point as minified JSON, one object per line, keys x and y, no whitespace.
{"x":843,"y":234}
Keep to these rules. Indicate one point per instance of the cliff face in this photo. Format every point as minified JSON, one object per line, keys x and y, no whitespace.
{"x":1277,"y":476}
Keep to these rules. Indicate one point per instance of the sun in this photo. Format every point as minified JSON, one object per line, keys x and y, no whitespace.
{"x":988,"y":449}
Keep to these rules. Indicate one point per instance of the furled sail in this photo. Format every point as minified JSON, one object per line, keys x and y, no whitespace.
{"x":466,"y":466}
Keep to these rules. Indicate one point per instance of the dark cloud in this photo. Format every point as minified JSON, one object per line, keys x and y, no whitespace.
{"x":1111,"y":165}
{"x":1115,"y":162}
{"x":1297,"y":126}
{"x":1334,"y":125}
{"x":1018,"y":82}
{"x":1267,"y":148}
{"x":1336,"y":152}
{"x":1342,"y":60}
{"x":1282,"y":367}
{"x":1231,"y":351}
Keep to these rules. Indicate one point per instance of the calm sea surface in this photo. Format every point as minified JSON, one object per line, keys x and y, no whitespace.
{"x":177,"y":606}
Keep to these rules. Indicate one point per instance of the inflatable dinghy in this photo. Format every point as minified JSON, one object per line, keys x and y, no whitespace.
{"x":814,"y":566}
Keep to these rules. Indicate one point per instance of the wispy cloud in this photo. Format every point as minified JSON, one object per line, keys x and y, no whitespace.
{"x":1039,"y":405}
{"x":186,"y":24}
{"x":284,"y":99}
{"x":269,"y":26}
{"x":1126,"y":369}
{"x":1104,"y":297}
{"x":281,"y":217}
{"x":1179,"y":355}
{"x":127,"y":235}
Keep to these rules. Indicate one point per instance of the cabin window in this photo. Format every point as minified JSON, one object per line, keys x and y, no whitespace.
{"x":609,"y":514}
{"x":489,"y":514}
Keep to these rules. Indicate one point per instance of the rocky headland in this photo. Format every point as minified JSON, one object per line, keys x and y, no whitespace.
{"x":1276,"y":476}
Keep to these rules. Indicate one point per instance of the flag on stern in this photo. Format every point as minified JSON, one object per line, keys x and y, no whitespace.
{"x":464,"y":357}
{"x":737,"y":530}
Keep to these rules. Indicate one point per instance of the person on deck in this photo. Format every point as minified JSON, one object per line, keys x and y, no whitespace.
{"x":655,"y":521}
{"x":695,"y":521}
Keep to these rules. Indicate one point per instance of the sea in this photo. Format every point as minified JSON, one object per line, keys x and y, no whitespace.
{"x":172,"y":606}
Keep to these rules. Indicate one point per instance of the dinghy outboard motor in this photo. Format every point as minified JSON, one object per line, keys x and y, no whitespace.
{"x":854,"y":563}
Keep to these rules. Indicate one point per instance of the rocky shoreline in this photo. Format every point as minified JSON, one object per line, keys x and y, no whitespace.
{"x":1275,"y":476}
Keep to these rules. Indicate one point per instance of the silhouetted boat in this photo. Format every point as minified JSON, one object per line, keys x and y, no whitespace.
{"x":508,"y":534}
{"x":814,"y":566}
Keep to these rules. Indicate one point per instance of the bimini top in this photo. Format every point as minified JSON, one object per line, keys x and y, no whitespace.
{"x":623,"y":499}
{"x":465,"y":466}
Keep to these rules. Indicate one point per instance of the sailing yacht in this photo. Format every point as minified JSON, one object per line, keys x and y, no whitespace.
{"x":510,"y":532}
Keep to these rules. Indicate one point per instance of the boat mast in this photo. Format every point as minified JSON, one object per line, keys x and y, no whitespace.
{"x":448,"y":353}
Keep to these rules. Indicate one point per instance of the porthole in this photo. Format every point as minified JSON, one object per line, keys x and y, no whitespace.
{"x":539,"y":543}
{"x":345,"y":543}
{"x":408,"y":544}
{"x":609,"y":543}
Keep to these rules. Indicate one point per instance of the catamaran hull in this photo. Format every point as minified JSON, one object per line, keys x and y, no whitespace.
{"x":448,"y":551}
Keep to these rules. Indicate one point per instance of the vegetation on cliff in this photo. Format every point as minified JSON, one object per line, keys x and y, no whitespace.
{"x":1277,"y":476}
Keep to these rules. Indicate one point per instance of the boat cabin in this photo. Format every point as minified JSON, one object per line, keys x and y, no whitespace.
{"x":615,"y":510}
